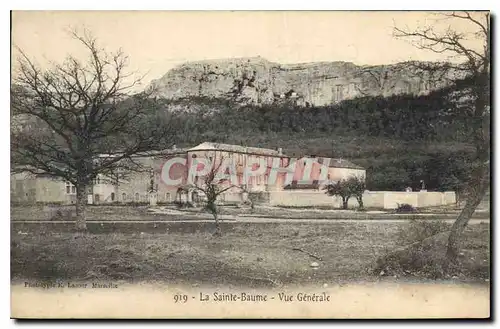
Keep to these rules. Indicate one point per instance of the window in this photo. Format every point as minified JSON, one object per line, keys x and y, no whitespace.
{"x":124,"y":196}
{"x":195,"y":197}
{"x":70,"y":188}
{"x":112,"y":196}
{"x":137,"y":197}
{"x":167,"y":197}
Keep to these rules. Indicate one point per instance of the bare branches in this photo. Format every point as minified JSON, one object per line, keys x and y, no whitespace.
{"x":485,"y":27}
{"x":474,"y":66}
{"x":210,"y":184}
{"x":86,"y":109}
{"x":451,"y":41}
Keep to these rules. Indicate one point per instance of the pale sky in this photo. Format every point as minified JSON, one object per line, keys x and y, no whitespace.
{"x":158,"y":41}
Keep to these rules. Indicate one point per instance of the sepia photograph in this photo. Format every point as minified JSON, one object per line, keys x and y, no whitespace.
{"x":250,"y":165}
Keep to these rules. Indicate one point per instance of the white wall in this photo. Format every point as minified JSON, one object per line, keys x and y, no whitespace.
{"x":392,"y":199}
{"x":371,"y":199}
{"x":303,"y":198}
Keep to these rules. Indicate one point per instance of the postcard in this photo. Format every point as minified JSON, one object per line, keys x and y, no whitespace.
{"x":250,"y":165}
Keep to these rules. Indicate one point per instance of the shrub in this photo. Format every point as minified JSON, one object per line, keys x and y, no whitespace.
{"x":346,"y":188}
{"x":405,"y":208}
{"x":417,"y":230}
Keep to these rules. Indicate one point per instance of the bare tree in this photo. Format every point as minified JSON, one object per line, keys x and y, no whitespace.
{"x":212,"y":187}
{"x":473,"y":64}
{"x":83,"y":110}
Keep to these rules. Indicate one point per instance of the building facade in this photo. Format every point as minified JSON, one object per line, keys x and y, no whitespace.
{"x":166,"y":174}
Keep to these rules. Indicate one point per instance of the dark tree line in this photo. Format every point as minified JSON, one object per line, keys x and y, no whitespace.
{"x":406,"y":117}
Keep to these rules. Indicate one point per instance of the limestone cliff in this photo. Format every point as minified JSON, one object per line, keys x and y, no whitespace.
{"x":258,"y":81}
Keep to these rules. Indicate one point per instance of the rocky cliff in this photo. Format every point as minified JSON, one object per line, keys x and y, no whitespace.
{"x":258,"y":81}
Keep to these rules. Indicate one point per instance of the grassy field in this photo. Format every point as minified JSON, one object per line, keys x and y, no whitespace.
{"x":267,"y":254}
{"x":141,"y":213}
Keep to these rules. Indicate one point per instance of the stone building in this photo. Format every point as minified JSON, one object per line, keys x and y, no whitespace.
{"x":165,"y":176}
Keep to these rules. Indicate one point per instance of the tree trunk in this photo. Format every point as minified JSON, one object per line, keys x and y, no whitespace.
{"x":213,"y":210}
{"x":475,"y":197}
{"x":218,"y":231}
{"x":360,"y":202}
{"x":81,"y":205}
{"x":345,"y":202}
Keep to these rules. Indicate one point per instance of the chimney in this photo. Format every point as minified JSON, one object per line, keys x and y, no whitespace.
{"x":280,"y":151}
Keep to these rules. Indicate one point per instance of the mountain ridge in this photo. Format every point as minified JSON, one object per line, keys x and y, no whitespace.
{"x":258,"y":81}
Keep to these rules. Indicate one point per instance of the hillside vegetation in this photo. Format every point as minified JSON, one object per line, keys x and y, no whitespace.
{"x":400,"y":140}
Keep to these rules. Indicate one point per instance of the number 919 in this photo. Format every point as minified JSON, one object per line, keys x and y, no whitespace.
{"x":180,"y":298}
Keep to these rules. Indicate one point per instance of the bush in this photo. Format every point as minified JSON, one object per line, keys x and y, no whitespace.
{"x":405,"y":208}
{"x":418,"y":230}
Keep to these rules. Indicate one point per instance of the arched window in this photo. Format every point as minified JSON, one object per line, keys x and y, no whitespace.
{"x":112,"y":196}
